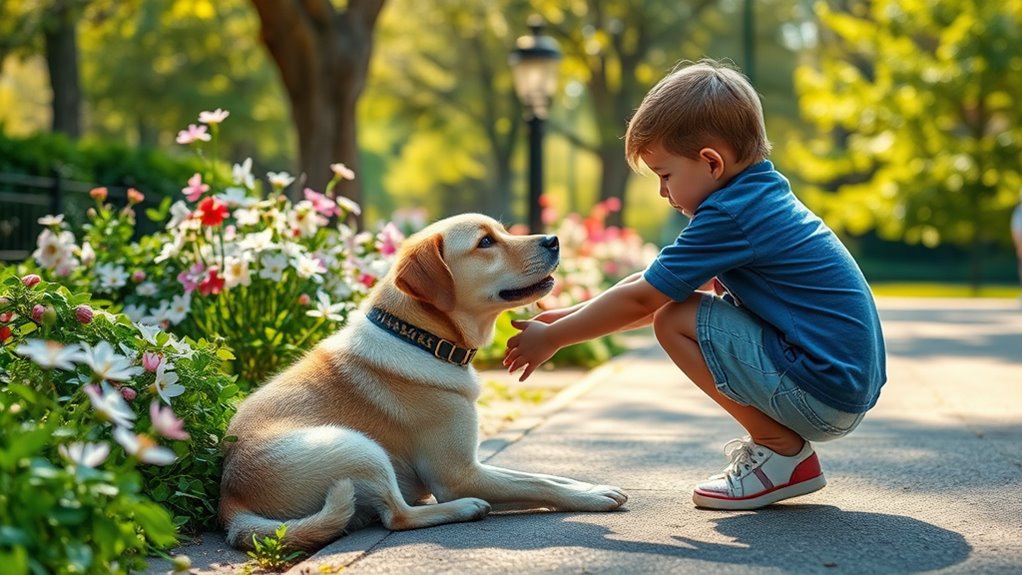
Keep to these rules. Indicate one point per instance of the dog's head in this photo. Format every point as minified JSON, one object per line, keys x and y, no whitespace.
{"x":470,"y":265}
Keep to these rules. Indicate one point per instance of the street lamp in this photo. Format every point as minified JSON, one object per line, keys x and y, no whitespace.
{"x":534,"y":69}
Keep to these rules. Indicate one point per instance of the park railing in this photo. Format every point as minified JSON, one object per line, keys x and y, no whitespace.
{"x":26,"y":198}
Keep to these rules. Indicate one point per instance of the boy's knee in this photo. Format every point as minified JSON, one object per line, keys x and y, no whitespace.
{"x":677,"y":318}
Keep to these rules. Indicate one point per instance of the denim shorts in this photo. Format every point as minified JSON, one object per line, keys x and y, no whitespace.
{"x":731,"y":340}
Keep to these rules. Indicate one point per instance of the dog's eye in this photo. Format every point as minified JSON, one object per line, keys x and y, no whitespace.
{"x":487,"y":241}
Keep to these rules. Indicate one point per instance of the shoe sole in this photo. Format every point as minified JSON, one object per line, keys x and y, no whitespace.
{"x":787,"y":492}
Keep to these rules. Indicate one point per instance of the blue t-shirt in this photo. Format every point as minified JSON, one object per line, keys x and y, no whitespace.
{"x":783,"y":264}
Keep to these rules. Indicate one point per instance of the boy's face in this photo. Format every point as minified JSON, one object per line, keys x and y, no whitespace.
{"x":685,"y":182}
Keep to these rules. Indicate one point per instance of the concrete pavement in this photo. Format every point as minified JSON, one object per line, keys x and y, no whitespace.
{"x":930,"y":482}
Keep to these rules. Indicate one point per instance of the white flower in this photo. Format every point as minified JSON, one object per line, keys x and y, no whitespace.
{"x":179,"y":212}
{"x":180,"y":305}
{"x":51,"y":220}
{"x":243,"y":174}
{"x":166,"y":383}
{"x":158,"y":315}
{"x":214,"y":117}
{"x":111,"y":277}
{"x":257,"y":242}
{"x":305,"y":219}
{"x":236,"y":272}
{"x":146,"y":289}
{"x":106,"y":364}
{"x":342,"y":171}
{"x":54,"y":249}
{"x":143,"y":447}
{"x":149,"y":333}
{"x":273,"y":266}
{"x":88,"y":254}
{"x":309,"y":267}
{"x":247,"y":217}
{"x":135,"y":312}
{"x":182,"y":348}
{"x":280,"y":180}
{"x":108,"y":402}
{"x":234,"y":196}
{"x":50,"y":354}
{"x":85,"y":454}
{"x":325,"y":309}
{"x":348,"y":206}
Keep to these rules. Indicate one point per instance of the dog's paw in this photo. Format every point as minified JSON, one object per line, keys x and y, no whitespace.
{"x":605,"y":497}
{"x":471,"y":508}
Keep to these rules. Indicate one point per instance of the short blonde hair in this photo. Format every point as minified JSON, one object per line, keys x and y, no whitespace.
{"x":698,"y":105}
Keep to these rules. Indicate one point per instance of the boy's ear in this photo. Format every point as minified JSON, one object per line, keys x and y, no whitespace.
{"x":714,"y":160}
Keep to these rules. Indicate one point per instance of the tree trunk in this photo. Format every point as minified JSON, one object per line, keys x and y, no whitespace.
{"x":61,"y":49}
{"x":323,"y":56}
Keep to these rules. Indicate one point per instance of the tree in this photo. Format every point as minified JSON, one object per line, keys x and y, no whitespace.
{"x":442,"y":103}
{"x":322,"y":53}
{"x":52,"y":28}
{"x":918,"y":107}
{"x":619,"y":50}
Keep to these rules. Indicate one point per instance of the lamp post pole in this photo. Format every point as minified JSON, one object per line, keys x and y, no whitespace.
{"x":534,"y":69}
{"x":535,"y":173}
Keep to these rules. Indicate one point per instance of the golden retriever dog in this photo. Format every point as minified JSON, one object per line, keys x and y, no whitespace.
{"x":378,"y":421}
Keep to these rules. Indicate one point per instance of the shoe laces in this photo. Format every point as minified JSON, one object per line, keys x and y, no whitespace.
{"x":743,"y":454}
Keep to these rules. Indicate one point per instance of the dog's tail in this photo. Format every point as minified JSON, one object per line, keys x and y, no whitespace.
{"x":305,"y":533}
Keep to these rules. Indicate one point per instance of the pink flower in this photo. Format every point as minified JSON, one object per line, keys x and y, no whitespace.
{"x":84,"y":314}
{"x":212,"y":212}
{"x":6,"y":316}
{"x":195,"y":188}
{"x":612,"y":204}
{"x":98,"y":194}
{"x":389,"y":238}
{"x":37,"y":312}
{"x":128,"y":394}
{"x":165,"y":422}
{"x":30,"y":280}
{"x":304,"y":299}
{"x":548,"y":216}
{"x":192,"y":134}
{"x":367,"y":280}
{"x":191,"y":278}
{"x":137,"y":276}
{"x":151,"y":361}
{"x":135,"y":196}
{"x":321,"y":203}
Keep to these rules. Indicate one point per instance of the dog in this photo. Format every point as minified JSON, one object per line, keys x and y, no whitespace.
{"x":378,"y":422}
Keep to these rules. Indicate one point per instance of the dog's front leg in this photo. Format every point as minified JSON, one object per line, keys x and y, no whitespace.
{"x":507,"y":489}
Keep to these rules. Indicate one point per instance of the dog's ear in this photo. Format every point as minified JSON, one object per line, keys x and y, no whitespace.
{"x":422,"y":274}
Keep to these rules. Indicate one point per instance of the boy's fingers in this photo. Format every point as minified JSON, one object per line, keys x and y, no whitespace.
{"x":527,"y":372}
{"x":520,"y":323}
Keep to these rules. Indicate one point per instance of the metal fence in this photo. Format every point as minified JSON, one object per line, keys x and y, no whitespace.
{"x":24,"y":199}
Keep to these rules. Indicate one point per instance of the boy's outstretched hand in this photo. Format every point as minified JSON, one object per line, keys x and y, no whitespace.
{"x":531,"y":347}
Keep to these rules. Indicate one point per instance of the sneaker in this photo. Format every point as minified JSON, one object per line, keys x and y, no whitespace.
{"x":757,"y":477}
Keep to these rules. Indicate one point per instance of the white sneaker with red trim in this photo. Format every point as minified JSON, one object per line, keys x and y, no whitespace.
{"x":757,"y":477}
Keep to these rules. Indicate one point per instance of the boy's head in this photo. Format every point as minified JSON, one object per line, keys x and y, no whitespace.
{"x":699,"y":105}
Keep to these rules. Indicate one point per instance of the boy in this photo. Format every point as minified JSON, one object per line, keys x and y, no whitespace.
{"x":786,"y":336}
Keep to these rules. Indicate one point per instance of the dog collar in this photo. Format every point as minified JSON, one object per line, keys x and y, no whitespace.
{"x":441,"y":348}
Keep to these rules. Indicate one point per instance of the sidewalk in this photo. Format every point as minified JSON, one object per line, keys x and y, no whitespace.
{"x":931,"y":481}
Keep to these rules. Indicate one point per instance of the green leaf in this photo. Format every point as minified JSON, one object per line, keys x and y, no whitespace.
{"x":228,"y":392}
{"x":225,"y":354}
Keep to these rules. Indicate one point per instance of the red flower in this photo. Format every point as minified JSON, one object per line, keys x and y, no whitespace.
{"x":5,"y":333}
{"x":213,"y":284}
{"x":212,"y":211}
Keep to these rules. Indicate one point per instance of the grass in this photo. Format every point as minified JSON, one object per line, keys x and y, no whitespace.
{"x":937,"y":289}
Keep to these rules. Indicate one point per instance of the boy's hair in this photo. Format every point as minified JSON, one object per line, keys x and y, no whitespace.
{"x":698,"y":105}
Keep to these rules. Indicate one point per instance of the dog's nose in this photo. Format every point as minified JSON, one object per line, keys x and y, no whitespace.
{"x":550,"y":243}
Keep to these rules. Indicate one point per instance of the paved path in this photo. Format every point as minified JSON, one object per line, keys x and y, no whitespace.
{"x":931,"y":480}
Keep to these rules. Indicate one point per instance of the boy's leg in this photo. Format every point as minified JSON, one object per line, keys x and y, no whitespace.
{"x":675,"y":327}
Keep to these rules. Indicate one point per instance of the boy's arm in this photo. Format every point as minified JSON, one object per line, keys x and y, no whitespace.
{"x":627,"y":304}
{"x":552,"y":315}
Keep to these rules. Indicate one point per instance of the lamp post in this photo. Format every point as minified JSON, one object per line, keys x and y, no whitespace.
{"x":534,"y":69}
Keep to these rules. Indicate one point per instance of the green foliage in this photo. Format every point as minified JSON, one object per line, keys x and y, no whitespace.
{"x":919,"y":118}
{"x":271,"y":552}
{"x":186,"y":481}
